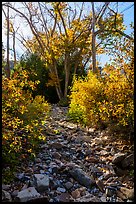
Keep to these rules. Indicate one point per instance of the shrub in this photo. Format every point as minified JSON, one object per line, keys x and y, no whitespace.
{"x":22,"y":118}
{"x":107,"y":101}
{"x":85,"y":95}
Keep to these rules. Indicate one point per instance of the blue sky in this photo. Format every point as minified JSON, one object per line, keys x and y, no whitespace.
{"x":124,"y":7}
{"x":128,"y":18}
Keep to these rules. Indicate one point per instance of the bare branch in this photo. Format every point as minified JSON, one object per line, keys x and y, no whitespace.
{"x":33,"y":29}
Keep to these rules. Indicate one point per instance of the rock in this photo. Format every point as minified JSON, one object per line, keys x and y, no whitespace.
{"x":100,"y":185}
{"x":119,"y":200}
{"x":56,"y":145}
{"x":53,"y":168}
{"x":128,"y":161}
{"x":119,"y":171}
{"x":56,"y":155}
{"x":108,"y":175}
{"x":63,"y":197}
{"x":24,"y":186}
{"x":83,"y":191}
{"x":98,"y":141}
{"x":118,"y":158}
{"x":62,"y":190}
{"x":110,"y":191}
{"x":6,"y":197}
{"x":72,"y":165}
{"x":42,"y":171}
{"x":20,"y":176}
{"x":14,"y":193}
{"x":83,"y":139}
{"x":91,"y":159}
{"x":103,"y":153}
{"x":103,"y":199}
{"x":108,"y":147}
{"x":38,"y":160}
{"x":44,"y":146}
{"x":27,"y":194}
{"x":68,"y":185}
{"x":96,"y":171}
{"x":41,"y":182}
{"x":75,"y":194}
{"x":5,"y":187}
{"x":80,"y":176}
{"x":121,"y":195}
{"x":39,"y":199}
{"x":88,"y":198}
{"x":88,"y":152}
{"x":125,"y":193}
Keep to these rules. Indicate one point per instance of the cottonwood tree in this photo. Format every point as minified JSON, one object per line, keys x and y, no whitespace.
{"x":7,"y":67}
{"x":62,"y":32}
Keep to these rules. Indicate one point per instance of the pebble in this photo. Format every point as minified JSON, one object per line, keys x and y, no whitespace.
{"x":72,"y":161}
{"x":75,"y":194}
{"x":62,"y":190}
{"x":68,"y":185}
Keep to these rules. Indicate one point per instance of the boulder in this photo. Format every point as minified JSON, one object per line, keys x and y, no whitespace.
{"x":27,"y":194}
{"x":128,"y":161}
{"x":80,"y":176}
{"x":117,"y":158}
{"x":41,"y":182}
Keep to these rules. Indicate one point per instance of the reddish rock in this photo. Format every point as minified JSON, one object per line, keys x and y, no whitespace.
{"x":75,"y":194}
{"x":63,"y":197}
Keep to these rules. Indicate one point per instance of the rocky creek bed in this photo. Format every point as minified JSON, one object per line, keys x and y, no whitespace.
{"x":74,"y":165}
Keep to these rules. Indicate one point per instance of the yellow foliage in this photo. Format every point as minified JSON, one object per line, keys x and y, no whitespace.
{"x":22,"y":117}
{"x":96,"y":100}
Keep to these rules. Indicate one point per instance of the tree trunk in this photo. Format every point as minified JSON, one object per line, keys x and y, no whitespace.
{"x":14,"y":50}
{"x":67,"y":73}
{"x":7,"y":68}
{"x":93,"y":41}
{"x":57,"y":85}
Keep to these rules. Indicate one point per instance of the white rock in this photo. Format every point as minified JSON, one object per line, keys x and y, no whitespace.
{"x":41,"y":182}
{"x":27,"y":194}
{"x":62,"y":190}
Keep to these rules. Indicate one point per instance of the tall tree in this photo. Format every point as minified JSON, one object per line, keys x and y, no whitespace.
{"x":7,"y":67}
{"x":93,"y":40}
{"x":64,"y":33}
